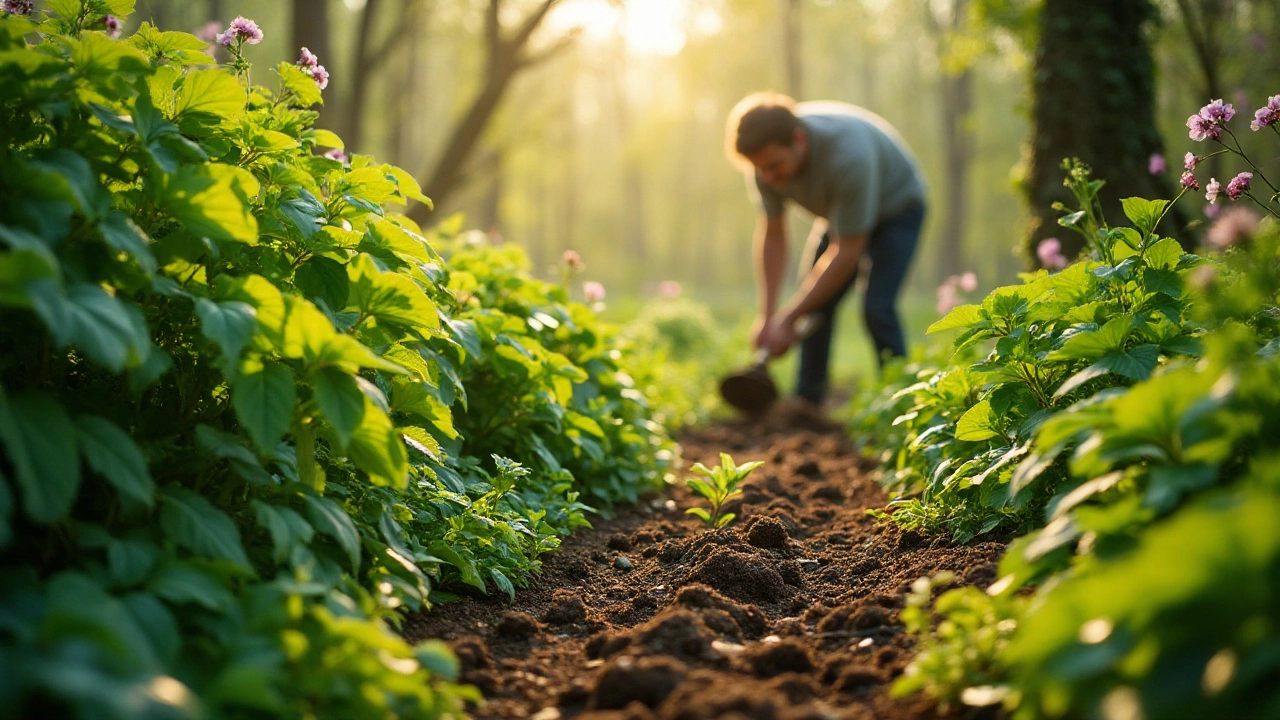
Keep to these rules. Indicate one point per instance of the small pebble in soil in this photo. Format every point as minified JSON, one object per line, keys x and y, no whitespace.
{"x":622,"y":564}
{"x":808,"y":564}
{"x":669,"y":506}
{"x":548,"y":713}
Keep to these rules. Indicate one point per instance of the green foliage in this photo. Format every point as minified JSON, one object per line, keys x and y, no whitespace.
{"x":1146,"y":580}
{"x":720,"y":487}
{"x":247,"y":413}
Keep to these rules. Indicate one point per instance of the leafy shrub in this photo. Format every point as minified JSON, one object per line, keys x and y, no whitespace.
{"x":229,"y":379}
{"x":680,"y":354}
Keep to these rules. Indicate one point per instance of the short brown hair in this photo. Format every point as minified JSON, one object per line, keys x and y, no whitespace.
{"x":758,"y":121}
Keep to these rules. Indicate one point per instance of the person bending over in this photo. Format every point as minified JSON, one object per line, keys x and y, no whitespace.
{"x":853,"y":171}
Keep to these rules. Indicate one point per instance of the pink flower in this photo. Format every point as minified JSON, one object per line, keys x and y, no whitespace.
{"x":308,"y":59}
{"x":1156,"y":164}
{"x":17,"y":7}
{"x":1212,"y":211}
{"x":669,"y":289}
{"x":1189,"y":161}
{"x":336,"y":154}
{"x":968,"y":282}
{"x":1236,"y":223}
{"x":574,"y":261}
{"x":947,"y":298}
{"x":241,"y":30}
{"x":1218,"y":112}
{"x":1189,"y":180}
{"x":1267,"y":115}
{"x":593,"y":291}
{"x":321,"y":76}
{"x":1211,"y":190}
{"x":210,"y":31}
{"x":1202,"y":129}
{"x":1049,"y":252}
{"x":1239,"y":185}
{"x":113,"y":25}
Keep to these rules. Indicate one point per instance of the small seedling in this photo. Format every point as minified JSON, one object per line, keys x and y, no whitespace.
{"x":720,"y":487}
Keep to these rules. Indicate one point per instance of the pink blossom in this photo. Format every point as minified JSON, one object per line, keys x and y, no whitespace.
{"x":113,"y":25}
{"x":1049,"y":252}
{"x":1218,"y":112}
{"x":1239,"y":185}
{"x":321,"y":76}
{"x":1189,"y":181}
{"x":336,"y":154}
{"x":1156,"y":164}
{"x":968,"y":282}
{"x":669,"y":289}
{"x":17,"y":7}
{"x":1202,"y":129}
{"x":1212,"y":190}
{"x":1267,"y":115}
{"x":947,"y":298}
{"x":1212,"y":211}
{"x":1189,"y":161}
{"x":241,"y":30}
{"x":593,"y":291}
{"x":210,"y":31}
{"x":574,"y":261}
{"x":1236,"y":223}
{"x":308,"y":59}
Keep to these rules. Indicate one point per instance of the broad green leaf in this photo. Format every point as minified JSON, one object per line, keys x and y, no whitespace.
{"x":1136,"y":364}
{"x":103,"y":327}
{"x":1093,"y":344}
{"x":389,"y":296}
{"x":264,"y":402}
{"x":264,"y":297}
{"x":377,"y":448}
{"x":1093,"y":371}
{"x":196,"y":524}
{"x":326,"y":279}
{"x":286,"y":527}
{"x":369,"y":184}
{"x":41,"y":445}
{"x":66,"y":9}
{"x":229,"y":324}
{"x":181,"y":582}
{"x":965,"y":316}
{"x":154,"y":618}
{"x":328,"y":518}
{"x":327,"y":138}
{"x":1164,"y":255}
{"x":303,"y":87}
{"x":121,"y":8}
{"x":113,"y":455}
{"x":409,"y":187}
{"x":388,"y":237}
{"x":464,"y":566}
{"x":129,"y":561}
{"x":503,"y":583}
{"x":1143,"y":213}
{"x":305,"y":212}
{"x":978,"y":423}
{"x":64,"y":174}
{"x":209,"y":200}
{"x":700,"y":514}
{"x":215,"y":95}
{"x":99,"y":58}
{"x":341,"y":403}
{"x":124,"y":236}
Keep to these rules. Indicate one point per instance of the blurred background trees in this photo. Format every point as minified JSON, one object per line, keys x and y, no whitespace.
{"x":597,"y":125}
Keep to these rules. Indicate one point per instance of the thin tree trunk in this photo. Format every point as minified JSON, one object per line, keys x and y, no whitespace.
{"x":957,"y":140}
{"x":361,"y":76}
{"x":791,"y":41}
{"x":633,"y":215}
{"x":311,"y":30}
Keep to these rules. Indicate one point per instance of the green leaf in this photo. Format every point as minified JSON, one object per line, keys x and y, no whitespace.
{"x":210,"y":96}
{"x":194,"y":523}
{"x":286,"y":527}
{"x":503,"y":583}
{"x":1093,"y":344}
{"x":389,"y":296}
{"x":326,"y":279}
{"x":1143,"y":213}
{"x":699,"y":513}
{"x":1164,"y":255}
{"x":64,"y":174}
{"x":329,"y":518}
{"x":103,"y":327}
{"x":228,"y":324}
{"x":438,"y":659}
{"x":120,"y":8}
{"x":66,"y":9}
{"x":41,"y":444}
{"x":464,"y":566}
{"x":391,"y":238}
{"x":964,"y":316}
{"x":327,"y":138}
{"x":377,"y":448}
{"x":303,"y":87}
{"x":264,"y":402}
{"x":725,"y":520}
{"x":341,"y":403}
{"x":123,"y":235}
{"x":180,"y":582}
{"x":1136,"y":364}
{"x":369,"y":184}
{"x":113,"y":455}
{"x":978,"y":423}
{"x":209,"y":200}
{"x":129,"y":561}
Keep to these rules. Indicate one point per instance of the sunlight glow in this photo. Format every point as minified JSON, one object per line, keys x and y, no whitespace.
{"x":650,"y":27}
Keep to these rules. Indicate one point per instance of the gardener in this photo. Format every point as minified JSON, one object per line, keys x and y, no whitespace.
{"x":855,"y":173}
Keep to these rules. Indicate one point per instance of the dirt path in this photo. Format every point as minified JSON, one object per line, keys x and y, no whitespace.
{"x":790,"y":612}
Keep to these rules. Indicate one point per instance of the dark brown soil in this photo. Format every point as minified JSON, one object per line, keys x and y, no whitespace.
{"x":789,"y":613}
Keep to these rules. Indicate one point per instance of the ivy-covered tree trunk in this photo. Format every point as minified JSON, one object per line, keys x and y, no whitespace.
{"x":1094,"y":87}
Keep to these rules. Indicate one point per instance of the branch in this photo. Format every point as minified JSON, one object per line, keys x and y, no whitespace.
{"x":528,"y":60}
{"x":531,"y":24}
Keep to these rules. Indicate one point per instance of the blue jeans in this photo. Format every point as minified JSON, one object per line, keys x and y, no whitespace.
{"x":890,"y":248}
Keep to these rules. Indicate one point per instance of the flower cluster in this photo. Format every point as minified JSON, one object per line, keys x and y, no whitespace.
{"x":1239,"y":185}
{"x":241,"y":30}
{"x":113,"y":26}
{"x":336,"y":154}
{"x":593,"y":291}
{"x":1189,"y":181}
{"x":1268,"y":115}
{"x":573,"y":261}
{"x":1210,"y":121}
{"x":1235,"y":225}
{"x":17,"y":7}
{"x":1156,"y":164}
{"x":1049,"y":252}
{"x":308,"y":61}
{"x":949,"y":291}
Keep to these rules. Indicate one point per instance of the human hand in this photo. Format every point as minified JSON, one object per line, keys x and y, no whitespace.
{"x":781,"y":335}
{"x":760,"y":331}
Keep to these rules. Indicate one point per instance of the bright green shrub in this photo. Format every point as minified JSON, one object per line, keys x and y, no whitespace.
{"x":680,"y":355}
{"x":228,"y":386}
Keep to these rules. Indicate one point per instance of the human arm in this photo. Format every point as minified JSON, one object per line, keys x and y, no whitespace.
{"x":823,"y":283}
{"x":771,"y":262}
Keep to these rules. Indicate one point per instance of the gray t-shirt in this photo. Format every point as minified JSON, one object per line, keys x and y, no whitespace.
{"x":859,"y":170}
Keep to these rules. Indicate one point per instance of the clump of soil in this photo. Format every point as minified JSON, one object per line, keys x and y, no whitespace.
{"x":790,"y":613}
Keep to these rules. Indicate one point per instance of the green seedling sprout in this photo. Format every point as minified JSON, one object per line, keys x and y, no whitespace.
{"x":720,"y":487}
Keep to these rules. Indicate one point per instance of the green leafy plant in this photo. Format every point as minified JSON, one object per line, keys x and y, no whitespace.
{"x":720,"y":487}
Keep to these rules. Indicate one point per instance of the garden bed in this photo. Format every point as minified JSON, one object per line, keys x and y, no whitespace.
{"x":790,"y":612}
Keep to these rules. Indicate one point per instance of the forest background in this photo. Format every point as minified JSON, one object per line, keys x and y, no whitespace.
{"x":597,"y":125}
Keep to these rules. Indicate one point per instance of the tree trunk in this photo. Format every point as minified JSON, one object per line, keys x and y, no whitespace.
{"x":957,"y":142}
{"x":1202,"y":21}
{"x":791,"y":43}
{"x":1094,"y":98}
{"x":633,"y":215}
{"x":311,"y":30}
{"x":362,"y":75}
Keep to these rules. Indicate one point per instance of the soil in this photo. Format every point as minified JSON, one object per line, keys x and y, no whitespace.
{"x":789,"y":613}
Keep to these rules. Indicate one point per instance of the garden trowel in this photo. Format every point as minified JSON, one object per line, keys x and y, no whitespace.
{"x":751,"y":389}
